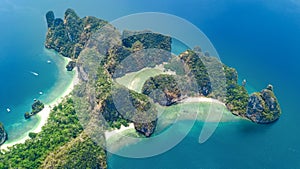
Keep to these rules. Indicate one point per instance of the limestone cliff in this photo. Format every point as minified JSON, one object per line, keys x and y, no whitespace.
{"x":68,"y":36}
{"x":263,"y":107}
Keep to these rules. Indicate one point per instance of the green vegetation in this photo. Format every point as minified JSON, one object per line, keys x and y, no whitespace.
{"x":111,"y":114}
{"x":134,"y":107}
{"x":73,"y":139}
{"x":81,"y":152}
{"x":137,"y":51}
{"x":237,"y":99}
{"x":37,"y":106}
{"x":137,"y":108}
{"x":32,"y":135}
{"x":69,"y":36}
{"x":263,"y":106}
{"x":163,"y":89}
{"x":197,"y":70}
{"x":210,"y":78}
{"x":103,"y":84}
{"x":148,"y":40}
{"x":237,"y":96}
{"x":63,"y":126}
{"x":114,"y":57}
{"x":211,"y":81}
{"x":175,"y":65}
{"x":145,"y":115}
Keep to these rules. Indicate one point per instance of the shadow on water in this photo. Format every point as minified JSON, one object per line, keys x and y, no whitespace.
{"x":248,"y":127}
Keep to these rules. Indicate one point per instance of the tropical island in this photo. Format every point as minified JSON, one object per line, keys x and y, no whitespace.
{"x":67,"y":140}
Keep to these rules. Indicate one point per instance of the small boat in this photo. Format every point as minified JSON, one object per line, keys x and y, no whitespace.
{"x":49,"y":61}
{"x":40,"y":93}
{"x":244,"y":82}
{"x":34,"y":73}
{"x":8,"y":110}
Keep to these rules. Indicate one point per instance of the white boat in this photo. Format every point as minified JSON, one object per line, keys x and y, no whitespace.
{"x":34,"y":73}
{"x":40,"y":93}
{"x":49,"y":61}
{"x":8,"y":110}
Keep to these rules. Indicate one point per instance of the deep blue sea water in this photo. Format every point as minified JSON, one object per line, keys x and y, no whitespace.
{"x":259,"y":38}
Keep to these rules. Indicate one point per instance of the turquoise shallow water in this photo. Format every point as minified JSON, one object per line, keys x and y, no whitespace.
{"x":21,"y":54}
{"x":259,"y":38}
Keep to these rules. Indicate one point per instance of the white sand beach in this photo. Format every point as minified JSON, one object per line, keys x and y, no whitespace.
{"x":45,"y":113}
{"x":136,"y":80}
{"x":216,"y":113}
{"x":201,"y":99}
{"x":109,"y":134}
{"x":227,"y":116}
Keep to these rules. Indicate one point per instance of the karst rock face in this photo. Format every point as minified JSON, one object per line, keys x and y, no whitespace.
{"x":263,"y":107}
{"x":3,"y":134}
{"x":69,"y":35}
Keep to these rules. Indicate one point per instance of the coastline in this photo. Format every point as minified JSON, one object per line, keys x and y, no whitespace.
{"x":45,"y":113}
{"x":118,"y":138}
{"x":227,"y":116}
{"x":222,"y":114}
{"x":135,"y":80}
{"x":109,"y":134}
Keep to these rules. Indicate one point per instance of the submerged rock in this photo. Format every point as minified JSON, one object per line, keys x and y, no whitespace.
{"x":3,"y":134}
{"x":263,"y":107}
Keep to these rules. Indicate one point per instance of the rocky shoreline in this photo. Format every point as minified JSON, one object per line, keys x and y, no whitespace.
{"x":263,"y":107}
{"x":3,"y":134}
{"x":70,"y":35}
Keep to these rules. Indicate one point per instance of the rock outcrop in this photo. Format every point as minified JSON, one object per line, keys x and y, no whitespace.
{"x":69,"y":35}
{"x":196,"y":67}
{"x":163,"y":89}
{"x":37,"y":106}
{"x":138,"y":50}
{"x":134,"y":107}
{"x":71,"y":65}
{"x":263,"y":107}
{"x":3,"y":134}
{"x":146,"y":129}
